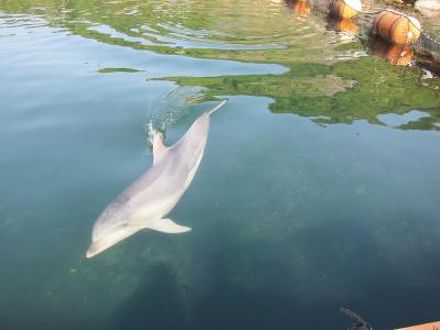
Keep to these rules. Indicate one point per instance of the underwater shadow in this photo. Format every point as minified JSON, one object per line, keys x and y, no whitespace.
{"x":252,"y":284}
{"x":156,"y":304}
{"x":237,"y":309}
{"x":251,"y":281}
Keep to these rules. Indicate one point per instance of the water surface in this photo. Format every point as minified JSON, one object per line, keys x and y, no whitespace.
{"x":319,"y":188}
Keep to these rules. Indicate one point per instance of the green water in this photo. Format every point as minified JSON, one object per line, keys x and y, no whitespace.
{"x":319,"y":187}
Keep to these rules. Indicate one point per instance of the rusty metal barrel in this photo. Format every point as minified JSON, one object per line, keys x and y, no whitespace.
{"x":396,"y":27}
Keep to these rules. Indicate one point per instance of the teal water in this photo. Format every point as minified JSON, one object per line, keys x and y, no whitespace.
{"x":319,"y":187}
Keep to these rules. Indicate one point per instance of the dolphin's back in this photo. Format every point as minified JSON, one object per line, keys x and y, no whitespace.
{"x":162,"y":185}
{"x":173,"y":172}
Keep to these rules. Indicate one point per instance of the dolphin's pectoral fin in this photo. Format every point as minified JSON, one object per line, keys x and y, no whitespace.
{"x":159,"y":148}
{"x":168,"y":226}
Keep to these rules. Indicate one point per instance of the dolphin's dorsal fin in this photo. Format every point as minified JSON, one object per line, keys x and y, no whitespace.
{"x":159,"y":148}
{"x":167,"y":226}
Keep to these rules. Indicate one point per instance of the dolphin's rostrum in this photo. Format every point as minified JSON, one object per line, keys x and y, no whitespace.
{"x":154,"y":194}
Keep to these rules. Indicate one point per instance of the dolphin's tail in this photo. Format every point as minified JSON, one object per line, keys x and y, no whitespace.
{"x":218,"y":106}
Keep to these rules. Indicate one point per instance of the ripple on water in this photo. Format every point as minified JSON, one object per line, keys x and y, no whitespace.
{"x":238,"y":28}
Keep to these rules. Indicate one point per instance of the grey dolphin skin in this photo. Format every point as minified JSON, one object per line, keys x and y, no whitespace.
{"x":145,"y":203}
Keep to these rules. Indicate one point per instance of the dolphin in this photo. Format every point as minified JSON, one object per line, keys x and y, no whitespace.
{"x":146,"y":202}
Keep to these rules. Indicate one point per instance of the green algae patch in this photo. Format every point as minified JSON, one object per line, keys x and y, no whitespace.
{"x":119,"y":70}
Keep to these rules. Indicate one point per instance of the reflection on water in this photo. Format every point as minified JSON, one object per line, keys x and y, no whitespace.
{"x":329,"y":199}
{"x":343,"y":25}
{"x":301,"y":7}
{"x":370,"y":88}
{"x":394,"y":54}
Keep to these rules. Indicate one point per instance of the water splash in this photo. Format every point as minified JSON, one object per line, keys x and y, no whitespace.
{"x":168,"y":110}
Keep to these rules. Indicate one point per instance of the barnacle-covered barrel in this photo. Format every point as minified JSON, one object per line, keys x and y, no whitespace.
{"x":396,"y":27}
{"x":345,"y":8}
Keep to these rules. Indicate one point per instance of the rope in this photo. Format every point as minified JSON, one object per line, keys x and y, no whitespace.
{"x":430,"y":44}
{"x":375,"y":12}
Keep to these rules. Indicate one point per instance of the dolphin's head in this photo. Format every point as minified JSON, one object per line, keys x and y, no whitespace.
{"x":95,"y":248}
{"x":103,"y":241}
{"x":101,"y":245}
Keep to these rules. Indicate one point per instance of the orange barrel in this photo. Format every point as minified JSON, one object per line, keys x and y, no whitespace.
{"x":345,"y":8}
{"x":397,"y":27}
{"x":395,"y":54}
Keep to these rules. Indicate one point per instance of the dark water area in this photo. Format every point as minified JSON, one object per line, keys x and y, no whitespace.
{"x":319,"y":187}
